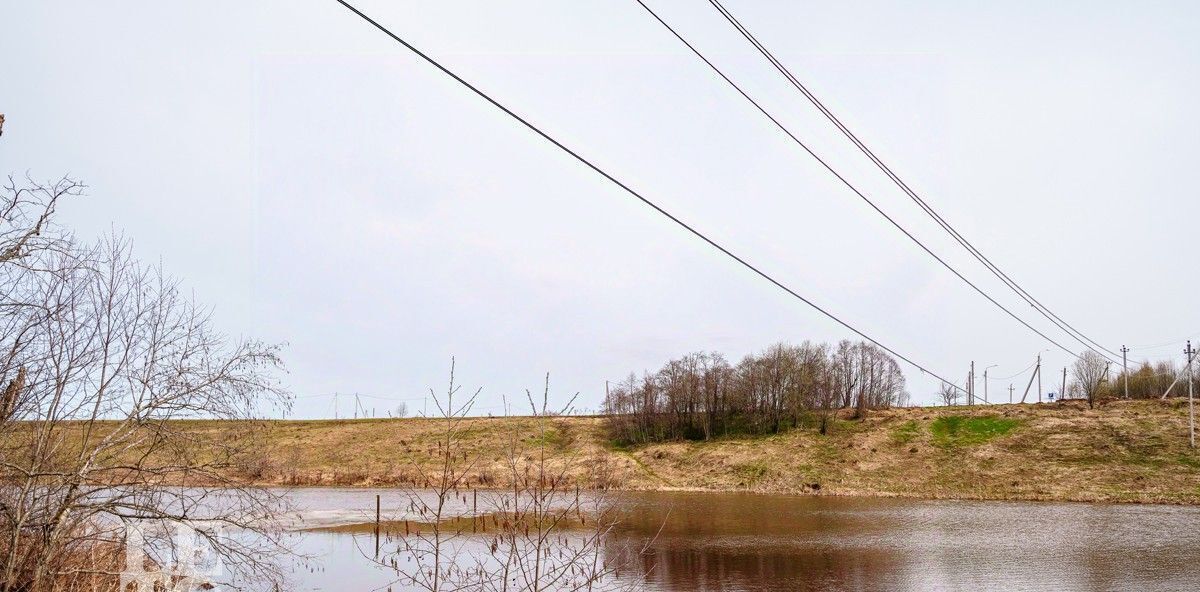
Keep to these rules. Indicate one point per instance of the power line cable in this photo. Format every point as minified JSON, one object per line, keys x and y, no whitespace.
{"x":1162,"y":345}
{"x":633,"y":192}
{"x":1000,"y":274}
{"x":850,"y":185}
{"x":1027,"y":369}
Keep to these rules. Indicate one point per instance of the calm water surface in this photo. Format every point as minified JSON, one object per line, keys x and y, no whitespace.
{"x":743,"y":542}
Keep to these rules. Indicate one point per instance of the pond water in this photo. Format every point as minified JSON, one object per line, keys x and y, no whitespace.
{"x":746,"y":542}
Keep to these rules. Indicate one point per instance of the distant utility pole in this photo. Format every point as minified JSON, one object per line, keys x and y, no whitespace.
{"x":1010,"y":391}
{"x":1125,"y":368}
{"x":1039,"y":374}
{"x":1191,"y":409}
{"x":1063,"y":394}
{"x":971,"y":388}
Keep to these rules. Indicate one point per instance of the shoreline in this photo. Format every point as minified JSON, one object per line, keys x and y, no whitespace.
{"x":1119,"y":452}
{"x":774,"y":493}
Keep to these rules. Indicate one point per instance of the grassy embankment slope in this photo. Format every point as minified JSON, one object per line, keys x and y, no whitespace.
{"x":1125,"y":451}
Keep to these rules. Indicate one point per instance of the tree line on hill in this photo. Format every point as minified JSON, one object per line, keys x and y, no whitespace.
{"x":1092,"y":379}
{"x":702,"y":395}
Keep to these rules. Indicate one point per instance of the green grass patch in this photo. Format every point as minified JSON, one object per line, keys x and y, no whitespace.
{"x":1189,"y":461}
{"x":962,"y":430}
{"x":907,"y":432}
{"x":752,"y":472}
{"x":551,"y":438}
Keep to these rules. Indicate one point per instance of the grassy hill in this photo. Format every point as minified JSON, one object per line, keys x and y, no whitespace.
{"x":1127,"y":451}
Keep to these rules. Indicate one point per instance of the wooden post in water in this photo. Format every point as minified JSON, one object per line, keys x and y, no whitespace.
{"x":377,"y":526}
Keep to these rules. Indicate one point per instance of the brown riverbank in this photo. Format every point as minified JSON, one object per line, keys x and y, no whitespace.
{"x":1133,"y":451}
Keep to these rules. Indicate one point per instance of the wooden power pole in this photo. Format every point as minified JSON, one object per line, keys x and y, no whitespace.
{"x":971,"y":388}
{"x":1191,"y":409}
{"x":1125,"y":368}
{"x":1039,"y":375}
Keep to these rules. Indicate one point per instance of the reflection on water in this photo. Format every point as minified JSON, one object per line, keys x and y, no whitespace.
{"x":743,"y":542}
{"x":750,"y":542}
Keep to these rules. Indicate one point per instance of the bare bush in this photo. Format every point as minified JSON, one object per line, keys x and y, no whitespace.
{"x":544,"y":532}
{"x":1150,"y":381}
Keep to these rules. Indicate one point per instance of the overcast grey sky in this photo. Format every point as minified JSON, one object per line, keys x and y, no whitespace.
{"x":318,"y":185}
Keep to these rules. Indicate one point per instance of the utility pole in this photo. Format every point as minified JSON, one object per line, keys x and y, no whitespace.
{"x":971,"y":388}
{"x":1038,"y":371}
{"x":1010,"y":391}
{"x":1125,"y":368}
{"x":1063,"y":394}
{"x":986,"y":400}
{"x":1191,"y":409}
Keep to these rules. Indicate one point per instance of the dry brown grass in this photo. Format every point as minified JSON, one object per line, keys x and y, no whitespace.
{"x":1127,"y":451}
{"x":92,"y":567}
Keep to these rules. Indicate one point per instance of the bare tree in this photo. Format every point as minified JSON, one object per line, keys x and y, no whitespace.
{"x":701,"y":395}
{"x":101,"y":355}
{"x":845,"y":373}
{"x":26,"y":218}
{"x":948,"y":394}
{"x":400,"y":411}
{"x":1088,"y":372}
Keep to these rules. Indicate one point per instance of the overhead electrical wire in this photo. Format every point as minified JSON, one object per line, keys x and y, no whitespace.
{"x":850,"y":185}
{"x":1027,"y":369}
{"x":1162,"y":345}
{"x":887,"y":170}
{"x":635,"y":193}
